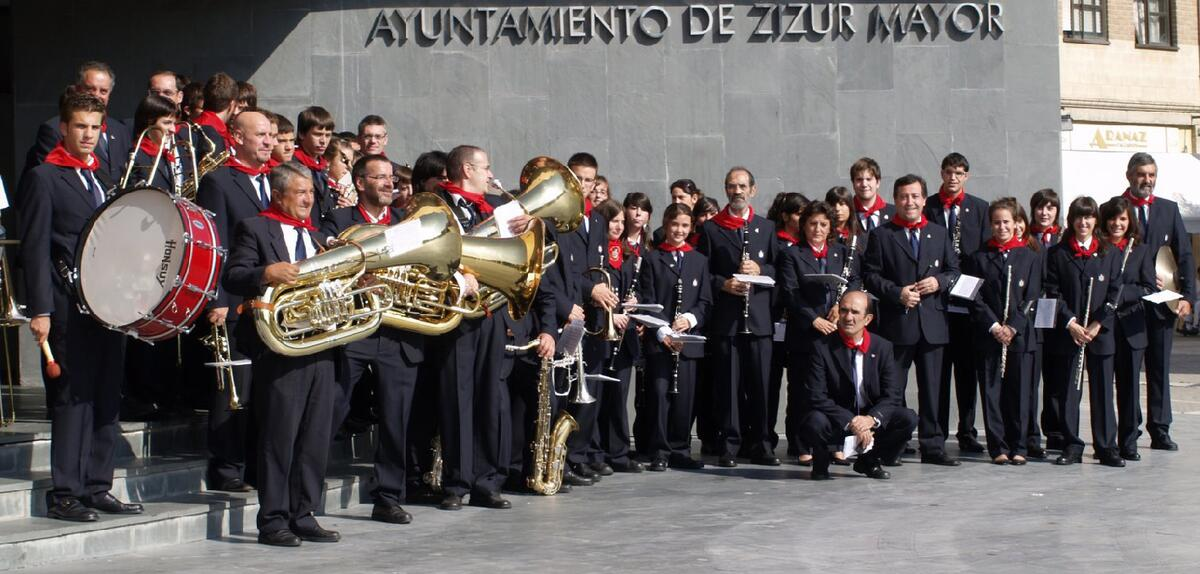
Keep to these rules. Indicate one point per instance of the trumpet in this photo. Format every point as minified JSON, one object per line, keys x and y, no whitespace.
{"x":223,"y":360}
{"x":609,"y":331}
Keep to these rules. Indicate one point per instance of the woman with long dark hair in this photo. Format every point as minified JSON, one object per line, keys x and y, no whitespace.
{"x":846,"y":227}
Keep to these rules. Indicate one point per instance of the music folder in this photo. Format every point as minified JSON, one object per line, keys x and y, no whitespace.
{"x":1046,"y":309}
{"x":761,"y":280}
{"x":966,"y":287}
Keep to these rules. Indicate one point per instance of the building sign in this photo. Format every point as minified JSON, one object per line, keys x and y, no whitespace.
{"x":1123,"y":138}
{"x":761,"y":22}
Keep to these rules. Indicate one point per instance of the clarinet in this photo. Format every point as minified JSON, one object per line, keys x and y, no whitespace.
{"x":749,"y":288}
{"x":629,"y":293}
{"x":1087,"y":313}
{"x":678,"y":311}
{"x":958,"y":234}
{"x":841,"y":290}
{"x":1004,"y":321}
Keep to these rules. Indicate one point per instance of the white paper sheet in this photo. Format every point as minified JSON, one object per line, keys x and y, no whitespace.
{"x":650,"y":320}
{"x":504,"y":214}
{"x":652,"y":307}
{"x":762,"y":280}
{"x":967,"y":287}
{"x":403,"y":237}
{"x":1046,"y":310}
{"x":687,"y":338}
{"x":1164,"y":296}
{"x":850,"y":446}
{"x":780,"y":331}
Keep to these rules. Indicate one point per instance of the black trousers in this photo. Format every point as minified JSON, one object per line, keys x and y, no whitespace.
{"x":579,"y":444}
{"x":1100,"y":395}
{"x":522,"y":384}
{"x":816,"y":428}
{"x":612,"y":422}
{"x":703,"y":408}
{"x":1005,"y":402}
{"x":228,"y":433}
{"x":423,"y":423}
{"x":740,"y":372}
{"x":295,"y":411}
{"x":1158,"y":372}
{"x":798,"y":403}
{"x":671,"y":426}
{"x":933,"y":393}
{"x":84,"y":403}
{"x":397,"y":379}
{"x":959,"y":360}
{"x":1034,"y":431}
{"x":774,"y":390}
{"x":1128,"y":371}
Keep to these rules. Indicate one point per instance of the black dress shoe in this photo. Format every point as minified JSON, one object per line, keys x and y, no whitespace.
{"x":109,"y":504}
{"x":870,"y":468}
{"x":585,"y":471}
{"x":451,"y":502}
{"x":1131,"y":455}
{"x":632,"y":466}
{"x":1112,"y":459}
{"x":489,"y":500}
{"x":1068,"y":459}
{"x":1036,"y":452}
{"x":657,"y":465}
{"x":569,"y":477}
{"x":1163,"y":442}
{"x":601,"y":468}
{"x":390,"y":513}
{"x":908,"y":449}
{"x":940,"y":459}
{"x":969,"y":444}
{"x":839,"y":461}
{"x":685,"y":463}
{"x":281,"y":537}
{"x":727,"y":461}
{"x":315,"y":533}
{"x":233,"y":485}
{"x":766,"y":460}
{"x":73,"y":510}
{"x":820,"y":475}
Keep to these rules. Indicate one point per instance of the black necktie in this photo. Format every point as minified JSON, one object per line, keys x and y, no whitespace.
{"x":854,"y":377}
{"x":93,"y":188}
{"x":914,"y":239}
{"x":679,"y":260}
{"x":263,"y":196}
{"x":868,"y":223}
{"x":465,"y":206}
{"x":953,"y":216}
{"x":1142,"y":217}
{"x":301,"y":248}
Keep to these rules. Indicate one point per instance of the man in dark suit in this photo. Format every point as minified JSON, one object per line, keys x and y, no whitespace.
{"x":855,"y":390}
{"x":394,"y":355}
{"x":1163,"y":225}
{"x":114,"y":144}
{"x":236,"y":191}
{"x":84,"y":400}
{"x":870,"y":208}
{"x":910,"y":265}
{"x":220,"y":101}
{"x":736,"y":241}
{"x":314,"y":130}
{"x":294,"y":395}
{"x":965,"y":218}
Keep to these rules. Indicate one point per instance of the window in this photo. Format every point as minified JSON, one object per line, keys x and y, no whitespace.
{"x":1155,"y":24}
{"x":1086,"y":21}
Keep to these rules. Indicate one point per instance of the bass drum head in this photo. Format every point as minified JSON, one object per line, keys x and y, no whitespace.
{"x":131,"y":256}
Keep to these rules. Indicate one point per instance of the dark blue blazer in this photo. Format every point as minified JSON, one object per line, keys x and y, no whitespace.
{"x":723,"y":248}
{"x":578,"y":251}
{"x":658,"y":284}
{"x":888,"y":265}
{"x":162,"y":178}
{"x":974,"y":227}
{"x":1165,"y":227}
{"x":232,"y":197}
{"x":112,"y":151}
{"x":53,"y":215}
{"x":1067,"y":280}
{"x":886,"y":215}
{"x":1138,"y":281}
{"x":1022,"y":296}
{"x":595,"y":319}
{"x":806,"y":299}
{"x":831,"y":389}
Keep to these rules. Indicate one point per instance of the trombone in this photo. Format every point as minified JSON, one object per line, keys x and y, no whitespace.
{"x":223,"y":360}
{"x":11,"y":315}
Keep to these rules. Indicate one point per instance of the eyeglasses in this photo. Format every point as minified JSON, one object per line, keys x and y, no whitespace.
{"x":382,"y":177}
{"x":487,"y":167}
{"x":163,"y":93}
{"x":372,"y":137}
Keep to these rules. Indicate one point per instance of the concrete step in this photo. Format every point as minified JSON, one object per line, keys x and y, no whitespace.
{"x":176,"y":519}
{"x":25,"y":445}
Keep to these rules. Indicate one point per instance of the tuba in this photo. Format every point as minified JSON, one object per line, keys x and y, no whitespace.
{"x":336,"y":300}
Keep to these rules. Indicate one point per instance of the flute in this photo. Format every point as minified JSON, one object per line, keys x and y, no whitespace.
{"x":1007,"y":300}
{"x":1087,"y":312}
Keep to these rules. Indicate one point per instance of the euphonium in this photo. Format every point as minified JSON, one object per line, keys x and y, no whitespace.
{"x":335,"y":301}
{"x":549,"y":445}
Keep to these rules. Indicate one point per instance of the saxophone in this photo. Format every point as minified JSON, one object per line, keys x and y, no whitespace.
{"x":549,"y":445}
{"x":433,"y":477}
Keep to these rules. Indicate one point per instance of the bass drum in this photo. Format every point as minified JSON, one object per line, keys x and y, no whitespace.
{"x":148,"y":263}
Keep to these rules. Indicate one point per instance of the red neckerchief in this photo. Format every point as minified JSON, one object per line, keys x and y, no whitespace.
{"x":850,"y":344}
{"x":667,"y":247}
{"x":587,"y":207}
{"x":273,"y":163}
{"x":788,"y":237}
{"x":616,"y":255}
{"x":1013,"y":242}
{"x":911,"y":225}
{"x":215,"y":122}
{"x":1082,"y":253}
{"x":844,"y":232}
{"x":237,"y":164}
{"x":730,"y":221}
{"x":277,"y":214}
{"x":819,"y":254}
{"x":1120,"y":245}
{"x":149,"y":148}
{"x":59,"y":156}
{"x":1138,"y":201}
{"x":869,"y":211}
{"x":1047,"y":233}
{"x":385,"y":220}
{"x":475,"y":198}
{"x":635,"y":247}
{"x":694,"y":239}
{"x":949,"y":200}
{"x":307,"y":160}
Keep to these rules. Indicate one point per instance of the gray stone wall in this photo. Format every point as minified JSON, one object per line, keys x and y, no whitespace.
{"x":797,"y":109}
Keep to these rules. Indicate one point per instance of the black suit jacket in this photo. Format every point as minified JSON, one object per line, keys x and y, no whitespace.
{"x":232,"y":197}
{"x":578,"y":251}
{"x":113,"y":151}
{"x":888,"y":266}
{"x":806,"y":299}
{"x":323,"y":198}
{"x":53,"y":215}
{"x":1067,"y":281}
{"x":974,"y":227}
{"x":988,"y":306}
{"x":886,"y":215}
{"x":1165,"y":227}
{"x":723,"y":247}
{"x":831,"y":389}
{"x":658,"y":284}
{"x":595,"y":318}
{"x":1137,"y":282}
{"x":162,"y":178}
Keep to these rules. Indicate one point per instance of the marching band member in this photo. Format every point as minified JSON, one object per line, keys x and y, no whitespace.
{"x":1122,"y":230}
{"x":220,"y":101}
{"x":285,"y":141}
{"x":676,"y":277}
{"x":294,"y":395}
{"x":341,"y":157}
{"x":600,"y":191}
{"x":236,"y":191}
{"x":314,"y":129}
{"x":1163,"y":225}
{"x":846,"y":227}
{"x":785,"y":212}
{"x":1001,"y":317}
{"x":85,"y":398}
{"x":166,"y":83}
{"x":115,"y":143}
{"x":910,"y":265}
{"x":157,"y":115}
{"x":682,"y":191}
{"x":809,"y":303}
{"x":738,"y":241}
{"x":855,"y":389}
{"x":1083,"y":274}
{"x":637,"y":217}
{"x":1044,"y":231}
{"x":965,"y":218}
{"x":869,"y":207}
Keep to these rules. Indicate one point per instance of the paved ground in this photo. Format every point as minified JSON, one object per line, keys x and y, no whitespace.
{"x":977,"y":517}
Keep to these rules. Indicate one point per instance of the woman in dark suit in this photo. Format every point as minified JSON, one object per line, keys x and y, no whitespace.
{"x":155,"y":116}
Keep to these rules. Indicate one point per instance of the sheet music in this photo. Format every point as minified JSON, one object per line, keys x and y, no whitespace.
{"x":688,"y":338}
{"x":1046,"y":309}
{"x":403,"y":237}
{"x":1164,"y":296}
{"x":762,"y":280}
{"x":504,"y":214}
{"x":967,"y":287}
{"x":650,"y":320}
{"x":570,"y":338}
{"x":850,"y":446}
{"x":652,"y":307}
